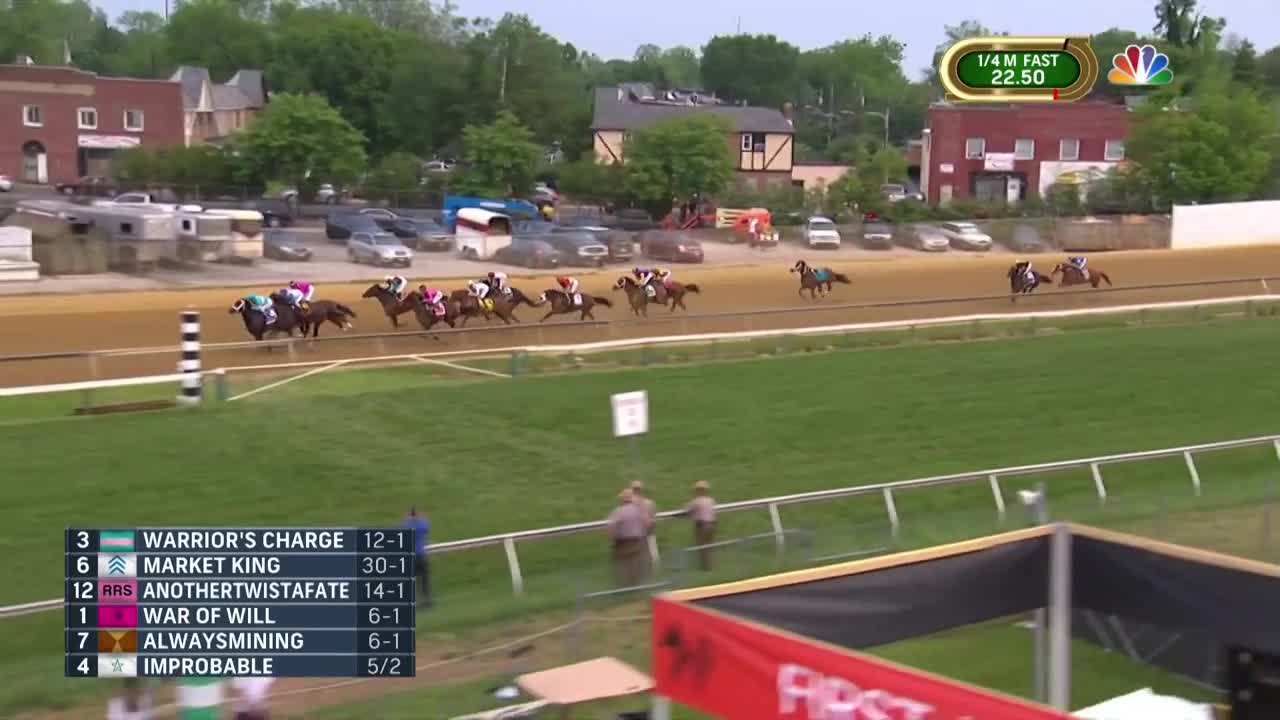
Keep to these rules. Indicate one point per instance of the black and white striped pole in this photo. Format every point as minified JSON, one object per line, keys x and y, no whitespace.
{"x":189,"y":366}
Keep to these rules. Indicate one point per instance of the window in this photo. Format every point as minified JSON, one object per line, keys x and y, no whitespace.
{"x":133,"y":120}
{"x":1069,"y":149}
{"x":752,"y":142}
{"x":87,"y":118}
{"x":1024,"y":149}
{"x":31,"y":116}
{"x":1113,"y":151}
{"x":975,"y":148}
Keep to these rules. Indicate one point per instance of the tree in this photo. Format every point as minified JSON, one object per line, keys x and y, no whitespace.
{"x":677,"y":158}
{"x":953,"y":34}
{"x":213,"y":34}
{"x":1220,"y":150}
{"x":586,"y":179}
{"x":1269,"y":69}
{"x":501,"y":158}
{"x":302,"y":140}
{"x":1244,"y":67}
{"x":758,"y":69}
{"x":885,"y":164}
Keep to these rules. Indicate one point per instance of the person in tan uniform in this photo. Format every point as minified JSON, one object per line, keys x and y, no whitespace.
{"x":650,"y":509}
{"x":702,"y":510}
{"x":628,"y":526}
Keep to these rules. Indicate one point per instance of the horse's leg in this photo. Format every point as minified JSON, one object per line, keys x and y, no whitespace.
{"x":549,"y":314}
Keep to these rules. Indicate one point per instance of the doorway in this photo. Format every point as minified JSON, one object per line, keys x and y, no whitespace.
{"x":35,"y":163}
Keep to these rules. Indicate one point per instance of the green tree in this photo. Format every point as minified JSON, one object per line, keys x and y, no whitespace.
{"x":301,"y":139}
{"x":677,"y":158}
{"x":1269,"y":69}
{"x":587,"y":180}
{"x":1244,"y":66}
{"x":501,"y":158}
{"x":759,"y":69}
{"x":885,"y":164}
{"x":1220,"y":150}
{"x":213,"y":34}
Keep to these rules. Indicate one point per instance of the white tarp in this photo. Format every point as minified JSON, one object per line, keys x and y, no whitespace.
{"x":1225,"y":224}
{"x":1146,"y":705}
{"x":1071,"y":172}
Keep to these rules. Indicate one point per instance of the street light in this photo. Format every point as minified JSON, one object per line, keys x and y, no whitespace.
{"x":885,"y":117}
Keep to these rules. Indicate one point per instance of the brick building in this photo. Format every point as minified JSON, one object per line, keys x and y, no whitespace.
{"x":993,"y":152}
{"x":60,"y":123}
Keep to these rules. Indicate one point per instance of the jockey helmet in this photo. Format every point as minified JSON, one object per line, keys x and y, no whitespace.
{"x":563,"y":280}
{"x":492,"y":275}
{"x":293,"y":284}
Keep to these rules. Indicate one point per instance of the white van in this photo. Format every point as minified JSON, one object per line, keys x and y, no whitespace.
{"x":481,"y":233}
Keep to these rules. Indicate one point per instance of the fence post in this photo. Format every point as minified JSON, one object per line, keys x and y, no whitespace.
{"x":1191,"y":468}
{"x":220,"y":384}
{"x":513,"y":563}
{"x":779,"y":536}
{"x":1096,"y":471}
{"x":892,"y":508}
{"x":190,"y":363}
{"x":999,"y":497}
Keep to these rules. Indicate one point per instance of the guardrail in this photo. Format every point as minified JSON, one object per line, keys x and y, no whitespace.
{"x":607,"y":345}
{"x":775,"y":504}
{"x":678,"y":319}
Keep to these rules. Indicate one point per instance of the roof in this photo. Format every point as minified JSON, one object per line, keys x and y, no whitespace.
{"x":243,"y":91}
{"x":614,"y":110}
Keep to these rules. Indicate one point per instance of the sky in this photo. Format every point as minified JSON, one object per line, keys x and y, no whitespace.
{"x":615,"y":29}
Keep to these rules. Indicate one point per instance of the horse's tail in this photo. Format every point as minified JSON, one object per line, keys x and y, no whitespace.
{"x":1104,"y":277}
{"x":1045,"y":278}
{"x":525,"y":299}
{"x":344,"y":310}
{"x":603,"y":300}
{"x":840,"y":277}
{"x":692,"y":287}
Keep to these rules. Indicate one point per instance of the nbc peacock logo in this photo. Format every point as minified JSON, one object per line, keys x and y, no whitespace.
{"x":1140,"y":66}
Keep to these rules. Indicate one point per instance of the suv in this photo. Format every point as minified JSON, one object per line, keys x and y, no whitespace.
{"x":378,"y":248}
{"x":340,"y":225}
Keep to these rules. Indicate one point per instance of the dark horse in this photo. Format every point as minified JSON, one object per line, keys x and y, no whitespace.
{"x":1071,"y":275}
{"x":318,"y":312}
{"x":562,"y":304}
{"x":391,"y":305}
{"x":816,"y":281}
{"x":1020,"y":284}
{"x":427,"y":316}
{"x":496,"y":303}
{"x":636,"y":295}
{"x":676,"y":292}
{"x":256,"y":323}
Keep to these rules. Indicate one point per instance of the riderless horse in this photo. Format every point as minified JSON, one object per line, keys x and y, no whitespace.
{"x":816,"y":279}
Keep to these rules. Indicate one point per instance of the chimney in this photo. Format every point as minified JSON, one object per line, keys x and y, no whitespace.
{"x":788,"y":110}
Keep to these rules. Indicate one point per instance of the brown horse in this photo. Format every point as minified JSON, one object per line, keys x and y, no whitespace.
{"x":676,"y":292}
{"x":1071,"y":275}
{"x":427,"y":316}
{"x":316,"y":313}
{"x":256,"y":323}
{"x":469,"y":306}
{"x":636,"y":295}
{"x":393,"y":306}
{"x":1020,"y":284}
{"x":562,"y":304}
{"x":816,"y":281}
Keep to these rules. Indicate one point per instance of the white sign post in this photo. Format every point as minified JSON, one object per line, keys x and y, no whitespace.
{"x":630,"y":413}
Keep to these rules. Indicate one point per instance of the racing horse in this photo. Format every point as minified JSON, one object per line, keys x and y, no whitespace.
{"x":256,"y":322}
{"x":636,"y":295}
{"x":1020,"y":284}
{"x":1071,"y":275}
{"x":816,"y":279}
{"x":498,"y":304}
{"x":393,"y":306}
{"x":427,"y":316}
{"x":562,"y":304}
{"x":676,"y":292}
{"x":317,"y":312}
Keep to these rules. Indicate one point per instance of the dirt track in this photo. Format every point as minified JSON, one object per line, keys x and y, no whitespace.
{"x":121,"y":320}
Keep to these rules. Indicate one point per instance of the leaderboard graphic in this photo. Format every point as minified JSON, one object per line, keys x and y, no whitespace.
{"x":240,"y":602}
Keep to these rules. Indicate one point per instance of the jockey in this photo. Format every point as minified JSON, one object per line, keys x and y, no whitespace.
{"x":1024,"y":268}
{"x":498,"y":280}
{"x":644,"y":276}
{"x":262,"y":304}
{"x":1078,"y":262}
{"x":570,"y":287}
{"x":396,"y":285}
{"x":662,"y":274}
{"x":307,"y":289}
{"x":295,"y":297}
{"x":478,"y":289}
{"x":433,"y":299}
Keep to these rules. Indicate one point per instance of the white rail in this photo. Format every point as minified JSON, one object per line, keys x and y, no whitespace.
{"x":98,"y":384}
{"x":774,"y":504}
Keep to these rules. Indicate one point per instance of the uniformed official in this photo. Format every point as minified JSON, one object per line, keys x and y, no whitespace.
{"x":628,"y":526}
{"x":702,"y":510}
{"x":645,"y":502}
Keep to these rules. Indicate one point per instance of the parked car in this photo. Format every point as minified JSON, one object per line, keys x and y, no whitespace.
{"x":327,"y":194}
{"x":926,"y":238}
{"x":1026,"y":239}
{"x":340,"y":225}
{"x":877,"y":234}
{"x":6,"y":185}
{"x":438,"y":166}
{"x":672,"y":246}
{"x":620,"y":243}
{"x":430,"y":234}
{"x":378,"y":248}
{"x":577,"y":248}
{"x":819,"y":231}
{"x":280,"y":244}
{"x":966,"y":236}
{"x":633,"y":220}
{"x":90,"y":185}
{"x":276,"y":213}
{"x":529,"y":252}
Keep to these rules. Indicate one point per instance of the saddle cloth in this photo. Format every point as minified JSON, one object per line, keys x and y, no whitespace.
{"x":820,"y":275}
{"x":577,"y":298}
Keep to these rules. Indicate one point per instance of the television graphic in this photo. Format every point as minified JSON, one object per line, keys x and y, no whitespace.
{"x":1140,"y":66}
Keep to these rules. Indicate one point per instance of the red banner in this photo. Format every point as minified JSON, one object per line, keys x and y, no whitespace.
{"x":743,"y":671}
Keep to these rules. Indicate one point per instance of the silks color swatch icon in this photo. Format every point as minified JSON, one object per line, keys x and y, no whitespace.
{"x":1140,"y":66}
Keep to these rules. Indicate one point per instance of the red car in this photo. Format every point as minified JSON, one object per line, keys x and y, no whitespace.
{"x":671,"y":246}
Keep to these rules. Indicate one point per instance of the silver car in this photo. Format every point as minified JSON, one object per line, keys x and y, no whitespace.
{"x":378,"y":249}
{"x":927,"y":238}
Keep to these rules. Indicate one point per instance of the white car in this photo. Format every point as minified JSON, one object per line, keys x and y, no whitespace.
{"x":821,"y":232}
{"x":966,"y":236}
{"x":928,"y":239}
{"x":6,"y":185}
